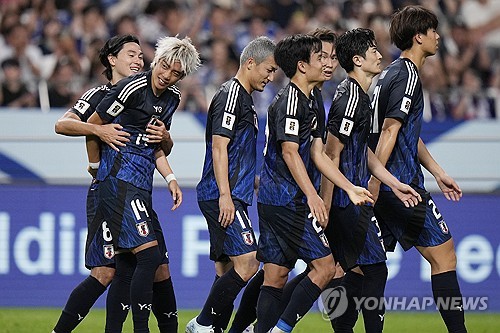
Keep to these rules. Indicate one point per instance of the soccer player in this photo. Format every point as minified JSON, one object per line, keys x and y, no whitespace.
{"x":398,"y":104}
{"x":353,"y":232}
{"x":121,"y":57}
{"x":126,"y":175}
{"x":226,"y":187}
{"x":291,"y":213}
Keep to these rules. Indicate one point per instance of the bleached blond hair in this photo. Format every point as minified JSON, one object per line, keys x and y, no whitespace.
{"x":175,"y":49}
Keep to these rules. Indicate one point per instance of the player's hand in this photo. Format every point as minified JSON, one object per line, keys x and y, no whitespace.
{"x":449,"y":187}
{"x":360,"y":196}
{"x":407,"y":195}
{"x":176,"y":193}
{"x":157,"y":132}
{"x":318,"y":209}
{"x":374,"y":187}
{"x":226,"y":210}
{"x":113,"y":135}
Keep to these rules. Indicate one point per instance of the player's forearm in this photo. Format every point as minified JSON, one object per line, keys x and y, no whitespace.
{"x":379,"y":171}
{"x":427,"y":161}
{"x":162,"y":164}
{"x":221,"y":169}
{"x":387,"y":140}
{"x":93,"y":149}
{"x":167,"y":146}
{"x":331,"y":171}
{"x":299,"y":172}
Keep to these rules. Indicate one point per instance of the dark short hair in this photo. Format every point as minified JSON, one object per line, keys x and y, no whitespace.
{"x":113,"y":46}
{"x":325,"y":35}
{"x":408,"y":22}
{"x":10,"y":62}
{"x":292,"y":49}
{"x":351,"y":43}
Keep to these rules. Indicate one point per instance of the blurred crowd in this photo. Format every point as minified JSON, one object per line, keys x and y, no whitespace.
{"x":49,"y":48}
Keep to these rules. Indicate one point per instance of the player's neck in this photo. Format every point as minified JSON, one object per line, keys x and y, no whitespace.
{"x":415,"y":55}
{"x":303,"y":84}
{"x":243,"y":80}
{"x":362,"y":78}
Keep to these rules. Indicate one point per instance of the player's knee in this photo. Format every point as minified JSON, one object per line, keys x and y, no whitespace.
{"x":103,"y":274}
{"x":247,"y":269}
{"x":162,"y":273}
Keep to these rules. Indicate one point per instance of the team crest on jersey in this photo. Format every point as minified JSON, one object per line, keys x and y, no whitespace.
{"x":247,"y":237}
{"x":109,"y":251}
{"x":324,"y":240}
{"x":228,"y":120}
{"x":444,"y":227}
{"x":346,"y":126}
{"x":291,"y":126}
{"x":115,"y":109}
{"x":81,"y":106}
{"x":142,"y":228}
{"x":405,"y":105}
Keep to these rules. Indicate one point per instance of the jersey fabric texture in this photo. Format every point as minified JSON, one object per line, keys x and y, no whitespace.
{"x":398,"y":94}
{"x":319,"y":109}
{"x":291,"y":117}
{"x":86,"y":104}
{"x":132,"y":104}
{"x":349,"y":120}
{"x":236,"y":239}
{"x":231,"y":114}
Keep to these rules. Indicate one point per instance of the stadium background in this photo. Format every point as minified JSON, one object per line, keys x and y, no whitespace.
{"x":43,"y":181}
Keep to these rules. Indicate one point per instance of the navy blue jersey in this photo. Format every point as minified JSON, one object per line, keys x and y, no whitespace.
{"x":398,"y":94}
{"x":291,"y":117}
{"x":349,"y":120}
{"x":231,"y":114}
{"x":132,"y":104}
{"x":319,"y":108}
{"x":85,"y":106}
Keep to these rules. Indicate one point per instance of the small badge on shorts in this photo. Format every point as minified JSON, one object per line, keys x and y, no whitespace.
{"x":109,"y":251}
{"x":247,"y":237}
{"x":324,"y":240}
{"x":142,"y":228}
{"x":444,"y":227}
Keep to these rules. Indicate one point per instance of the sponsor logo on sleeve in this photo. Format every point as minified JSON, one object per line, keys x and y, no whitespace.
{"x":291,"y":126}
{"x":228,"y":120}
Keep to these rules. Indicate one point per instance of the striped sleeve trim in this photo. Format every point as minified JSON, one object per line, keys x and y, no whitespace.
{"x":412,"y":79}
{"x":292,"y":101}
{"x":352,"y":103}
{"x":91,"y":92}
{"x":232,"y":97}
{"x":131,"y":87}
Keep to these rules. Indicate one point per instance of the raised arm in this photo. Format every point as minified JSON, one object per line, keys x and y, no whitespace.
{"x":447,"y":184}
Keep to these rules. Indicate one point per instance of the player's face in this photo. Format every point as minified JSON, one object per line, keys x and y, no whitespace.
{"x":128,"y":61}
{"x":430,"y":41}
{"x":330,"y":61}
{"x":372,"y":61}
{"x":263,"y":73}
{"x":314,"y":70}
{"x":165,"y":75}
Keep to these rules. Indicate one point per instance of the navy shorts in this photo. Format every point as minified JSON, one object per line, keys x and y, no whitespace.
{"x":288,"y":233}
{"x":99,"y":250}
{"x":237,"y":239}
{"x":422,"y":225}
{"x":354,"y":236}
{"x":127,"y":211}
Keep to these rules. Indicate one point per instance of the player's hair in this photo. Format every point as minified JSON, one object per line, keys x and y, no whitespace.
{"x":113,"y":46}
{"x":352,"y":43}
{"x":408,"y":22}
{"x":292,"y":49}
{"x":258,"y":49}
{"x":325,"y":35}
{"x":174,"y":49}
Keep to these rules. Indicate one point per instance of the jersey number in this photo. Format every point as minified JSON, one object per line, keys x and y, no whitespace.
{"x":106,"y":233}
{"x":138,"y":207}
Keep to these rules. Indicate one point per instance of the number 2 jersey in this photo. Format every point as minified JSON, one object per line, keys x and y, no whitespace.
{"x":132,"y":103}
{"x":231,"y":114}
{"x":398,"y":94}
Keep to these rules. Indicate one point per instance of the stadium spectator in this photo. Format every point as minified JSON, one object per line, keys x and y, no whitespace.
{"x":14,"y":91}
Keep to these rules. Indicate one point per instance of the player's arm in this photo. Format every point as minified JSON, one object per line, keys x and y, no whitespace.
{"x":290,"y":151}
{"x":357,"y":194}
{"x":93,"y":145}
{"x":447,"y":184}
{"x":71,"y":125}
{"x":404,"y":192}
{"x":385,"y":145}
{"x":221,"y":171}
{"x":158,"y":133}
{"x":167,"y":173}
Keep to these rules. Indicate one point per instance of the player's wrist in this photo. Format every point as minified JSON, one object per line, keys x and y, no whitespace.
{"x":170,"y":177}
{"x":94,"y":165}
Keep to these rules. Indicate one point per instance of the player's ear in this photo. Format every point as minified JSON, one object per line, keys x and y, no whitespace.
{"x":111,"y":59}
{"x":250,"y":63}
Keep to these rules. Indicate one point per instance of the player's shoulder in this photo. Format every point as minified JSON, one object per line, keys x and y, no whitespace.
{"x":95,"y":92}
